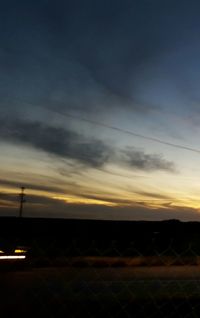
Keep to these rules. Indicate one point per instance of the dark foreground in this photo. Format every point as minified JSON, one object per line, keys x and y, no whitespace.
{"x":104,"y":292}
{"x":77,"y":268}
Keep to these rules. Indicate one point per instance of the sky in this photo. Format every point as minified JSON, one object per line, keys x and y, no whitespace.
{"x":100,"y":109}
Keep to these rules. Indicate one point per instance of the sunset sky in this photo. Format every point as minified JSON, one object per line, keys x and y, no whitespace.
{"x":100,"y":108}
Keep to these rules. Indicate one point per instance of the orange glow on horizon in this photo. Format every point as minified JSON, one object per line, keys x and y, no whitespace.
{"x":151,"y":198}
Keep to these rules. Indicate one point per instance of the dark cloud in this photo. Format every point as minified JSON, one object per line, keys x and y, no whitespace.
{"x":68,"y":144}
{"x":32,"y":186}
{"x":9,"y":198}
{"x":57,"y":141}
{"x":153,"y":195}
{"x":137,"y":159}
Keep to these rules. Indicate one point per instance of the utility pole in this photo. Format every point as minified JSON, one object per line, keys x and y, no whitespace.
{"x":22,"y":201}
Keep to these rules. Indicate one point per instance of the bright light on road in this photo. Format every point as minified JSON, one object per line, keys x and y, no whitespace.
{"x":19,"y":251}
{"x":12,"y":257}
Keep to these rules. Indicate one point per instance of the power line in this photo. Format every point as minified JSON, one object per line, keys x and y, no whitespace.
{"x":128,"y":132}
{"x":114,"y":128}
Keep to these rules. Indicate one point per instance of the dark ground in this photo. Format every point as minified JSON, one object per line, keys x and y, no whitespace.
{"x":108,"y":292}
{"x":51,"y":284}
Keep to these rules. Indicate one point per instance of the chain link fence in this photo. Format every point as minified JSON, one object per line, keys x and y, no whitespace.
{"x":96,"y":279}
{"x":79,"y":253}
{"x":156,"y":274}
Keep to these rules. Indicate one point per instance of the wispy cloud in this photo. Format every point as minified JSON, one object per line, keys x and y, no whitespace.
{"x":41,"y":206}
{"x":153,"y":195}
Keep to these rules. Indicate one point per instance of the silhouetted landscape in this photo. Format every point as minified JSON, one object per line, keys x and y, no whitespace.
{"x":61,"y":239}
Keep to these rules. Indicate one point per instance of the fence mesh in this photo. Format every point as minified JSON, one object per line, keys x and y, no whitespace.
{"x":95,"y":278}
